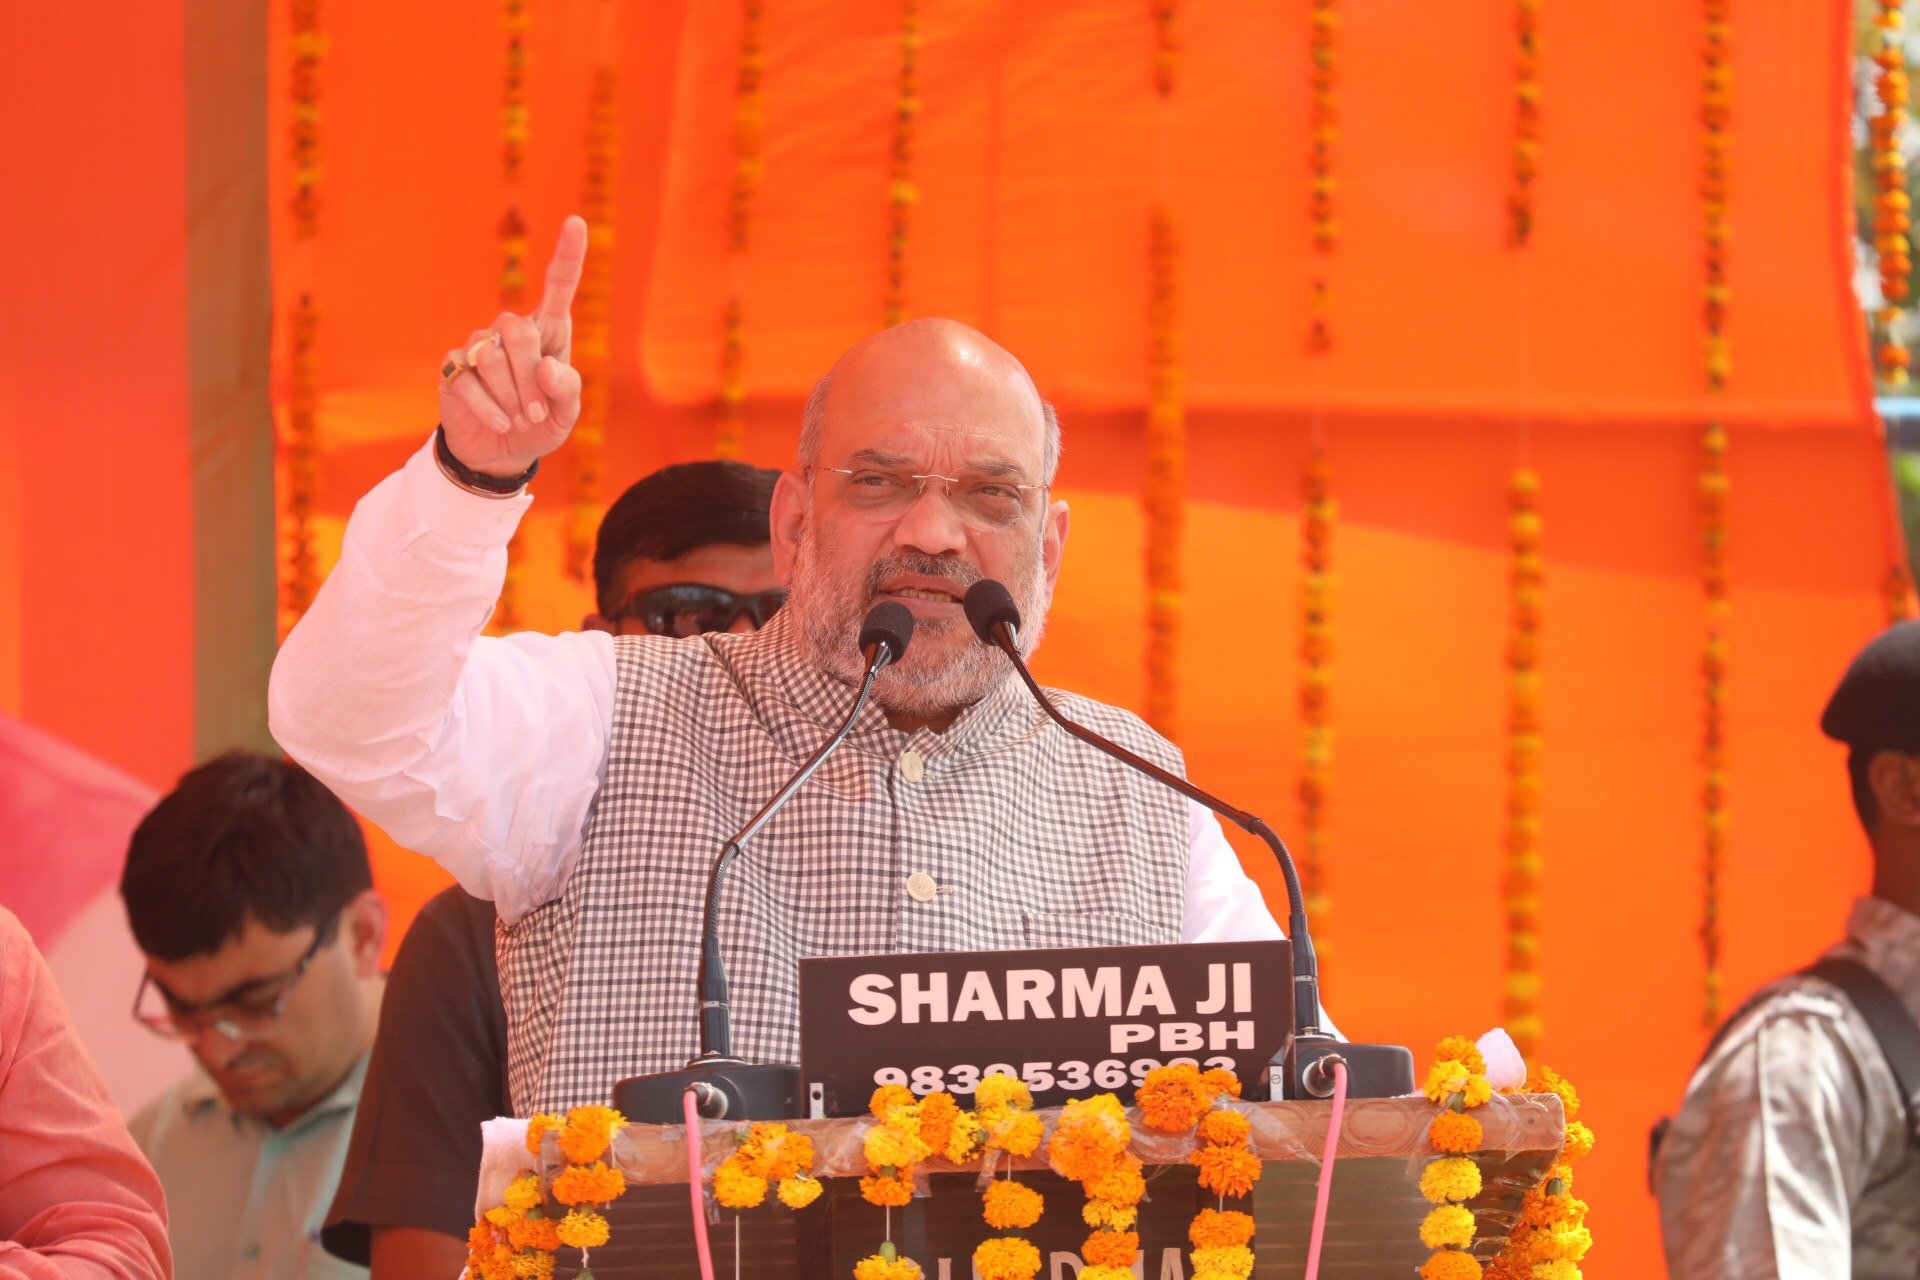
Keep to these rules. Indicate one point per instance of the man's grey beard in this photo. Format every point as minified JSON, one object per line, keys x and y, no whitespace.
{"x":946,"y":667}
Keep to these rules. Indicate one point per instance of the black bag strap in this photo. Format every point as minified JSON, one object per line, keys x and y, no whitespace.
{"x":1889,"y":1020}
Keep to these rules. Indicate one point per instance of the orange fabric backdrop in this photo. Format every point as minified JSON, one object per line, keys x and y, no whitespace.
{"x":1038,"y":155}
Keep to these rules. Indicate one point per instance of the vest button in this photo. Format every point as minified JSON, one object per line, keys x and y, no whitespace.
{"x":921,"y":887}
{"x":913,"y":766}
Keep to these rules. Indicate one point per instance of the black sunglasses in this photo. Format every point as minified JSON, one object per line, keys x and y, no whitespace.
{"x":689,"y":608}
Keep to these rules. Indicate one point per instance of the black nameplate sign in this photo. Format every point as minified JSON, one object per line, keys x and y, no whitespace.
{"x":1070,"y":1022}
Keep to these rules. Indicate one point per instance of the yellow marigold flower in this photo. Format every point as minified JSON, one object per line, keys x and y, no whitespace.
{"x":588,"y":1132}
{"x":1012,"y":1206}
{"x":1114,"y":1217}
{"x":1224,"y":1128}
{"x":799,"y":1191}
{"x":894,"y":1192}
{"x":523,"y":1192}
{"x":1228,"y":1260}
{"x":1477,"y":1091}
{"x":1464,"y":1051}
{"x":1172,"y":1099}
{"x":533,"y":1266}
{"x":1106,"y":1273}
{"x":1021,"y":1135}
{"x":1451,"y":1264}
{"x":735,"y":1188}
{"x":999,"y":1090}
{"x":537,"y":1128}
{"x":1456,"y":1132}
{"x":889,"y":1097}
{"x":889,"y":1147}
{"x":1452,"y":1178}
{"x":1111,"y":1248}
{"x":1222,"y":1081}
{"x":1579,"y":1141}
{"x":1006,"y":1258}
{"x":1122,"y":1184}
{"x":1565,"y":1242}
{"x":1445,"y":1078}
{"x":1560,"y":1270}
{"x":589,"y":1184}
{"x":880,"y":1267}
{"x":1213,"y":1228}
{"x":964,"y":1141}
{"x":1547,"y":1080}
{"x":1227,"y":1171}
{"x":1448,"y":1224}
{"x":503,"y":1215}
{"x":583,"y":1229}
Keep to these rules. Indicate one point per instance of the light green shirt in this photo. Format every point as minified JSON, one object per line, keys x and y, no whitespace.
{"x":246,"y":1201}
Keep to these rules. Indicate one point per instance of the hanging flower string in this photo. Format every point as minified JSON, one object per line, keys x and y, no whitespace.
{"x":1892,"y":209}
{"x":1524,"y":776}
{"x":1165,"y":505}
{"x":1317,"y":516}
{"x":512,"y":233}
{"x":749,"y":107}
{"x":1457,"y":1080}
{"x":1089,"y":1146}
{"x":593,"y":318}
{"x":901,"y":192}
{"x":520,"y":1236}
{"x":299,"y":567}
{"x":1526,"y":123}
{"x":1183,"y":1099}
{"x":1003,"y":1113}
{"x":1551,"y":1237}
{"x":1717,"y":114}
{"x":1323,"y":132}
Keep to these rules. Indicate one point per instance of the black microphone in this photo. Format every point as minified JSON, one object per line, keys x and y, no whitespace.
{"x":726,"y":1085}
{"x":1374,"y":1071}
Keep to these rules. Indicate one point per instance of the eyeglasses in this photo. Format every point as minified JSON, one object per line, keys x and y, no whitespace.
{"x":691,"y":608}
{"x":984,"y":502}
{"x":247,"y":1017}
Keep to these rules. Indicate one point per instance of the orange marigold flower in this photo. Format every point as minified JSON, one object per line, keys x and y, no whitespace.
{"x":1121,"y":1185}
{"x":1451,"y":1264}
{"x":583,"y":1229}
{"x":588,"y":1132}
{"x":1213,"y":1228}
{"x":1006,"y":1258}
{"x":1012,"y":1206}
{"x":537,"y":1128}
{"x":1464,"y":1051}
{"x":1222,"y":1081}
{"x":1088,"y":1137}
{"x":1225,"y":1129}
{"x":534,"y":1233}
{"x":938,"y":1111}
{"x":887,"y":1098}
{"x":894,"y":1192}
{"x":1227,"y":1171}
{"x":1020,"y":1135}
{"x":1172,"y":1099}
{"x":480,"y":1238}
{"x":1547,"y":1080}
{"x":1456,"y":1132}
{"x":589,"y":1184}
{"x":1111,"y":1248}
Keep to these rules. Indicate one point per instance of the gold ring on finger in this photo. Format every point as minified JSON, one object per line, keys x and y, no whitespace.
{"x":451,"y":370}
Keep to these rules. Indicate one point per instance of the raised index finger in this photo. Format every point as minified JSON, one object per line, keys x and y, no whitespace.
{"x":563,"y":280}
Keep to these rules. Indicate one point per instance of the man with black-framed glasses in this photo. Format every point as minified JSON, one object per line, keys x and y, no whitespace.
{"x":249,"y":890}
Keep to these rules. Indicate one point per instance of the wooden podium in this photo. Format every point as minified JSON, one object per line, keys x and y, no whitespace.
{"x":1372,"y":1229}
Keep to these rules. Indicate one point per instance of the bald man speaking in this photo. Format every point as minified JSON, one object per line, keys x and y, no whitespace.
{"x":585,"y":782}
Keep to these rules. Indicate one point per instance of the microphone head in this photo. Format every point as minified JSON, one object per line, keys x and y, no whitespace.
{"x":988,"y":604}
{"x":888,"y":623}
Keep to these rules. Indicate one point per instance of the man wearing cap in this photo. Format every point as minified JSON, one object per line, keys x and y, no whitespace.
{"x":1793,"y":1154}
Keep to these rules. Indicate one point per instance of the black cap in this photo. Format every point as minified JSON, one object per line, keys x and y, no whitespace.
{"x":1877,"y":704}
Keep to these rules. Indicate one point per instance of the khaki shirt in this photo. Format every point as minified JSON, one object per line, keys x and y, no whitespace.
{"x":1790,"y":1156}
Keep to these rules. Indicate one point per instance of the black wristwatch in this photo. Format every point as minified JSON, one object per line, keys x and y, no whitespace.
{"x":478,"y":481}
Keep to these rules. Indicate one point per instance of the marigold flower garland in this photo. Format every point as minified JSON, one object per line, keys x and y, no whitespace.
{"x":1183,"y":1099}
{"x":1551,"y":1237}
{"x":767,"y":1155}
{"x":901,"y":192}
{"x":1892,"y":209}
{"x":593,"y":311}
{"x":299,"y":567}
{"x":1323,"y":130}
{"x":1524,"y":778}
{"x":1089,"y":1146}
{"x":749,"y":107}
{"x":1003,"y":1116}
{"x":1317,"y":515}
{"x":1457,"y":1080}
{"x":512,"y":232}
{"x":1717,"y":113}
{"x":519,"y":1236}
{"x":1526,"y":130}
{"x":1165,"y":497}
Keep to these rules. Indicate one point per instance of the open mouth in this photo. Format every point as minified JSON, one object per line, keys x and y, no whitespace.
{"x":924,"y":593}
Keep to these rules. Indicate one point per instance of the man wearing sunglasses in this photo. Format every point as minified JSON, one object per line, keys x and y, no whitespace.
{"x":585,"y":784}
{"x":250,"y":893}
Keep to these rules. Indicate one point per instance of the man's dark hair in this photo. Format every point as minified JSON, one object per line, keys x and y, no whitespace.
{"x":1859,"y":765}
{"x":678,"y":509}
{"x":242,"y":837}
